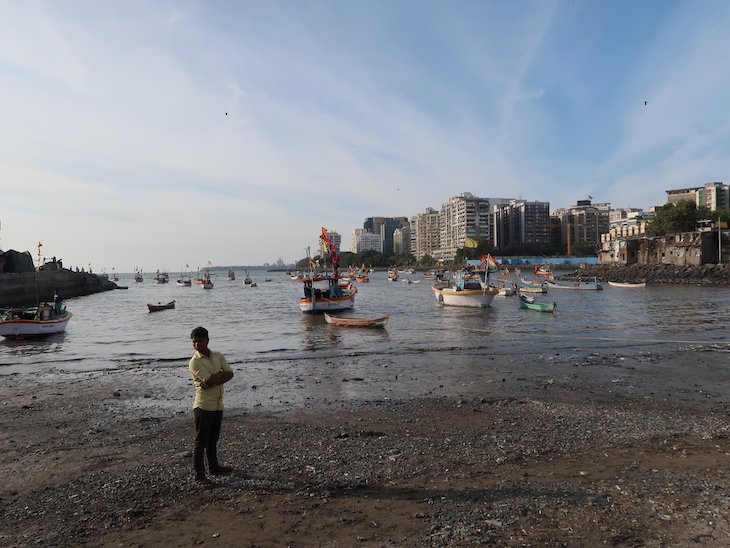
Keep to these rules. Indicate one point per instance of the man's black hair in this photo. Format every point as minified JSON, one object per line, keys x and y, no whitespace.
{"x":199,"y":333}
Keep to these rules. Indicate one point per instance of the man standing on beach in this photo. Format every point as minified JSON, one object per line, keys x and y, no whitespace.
{"x":210,"y":371}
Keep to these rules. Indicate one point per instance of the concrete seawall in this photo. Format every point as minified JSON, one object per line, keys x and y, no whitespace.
{"x":27,"y":288}
{"x":709,"y":274}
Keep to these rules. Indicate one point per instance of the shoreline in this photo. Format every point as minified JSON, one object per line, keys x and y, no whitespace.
{"x":544,"y":457}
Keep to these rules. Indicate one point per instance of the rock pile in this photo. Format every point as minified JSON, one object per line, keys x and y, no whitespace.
{"x":708,"y":274}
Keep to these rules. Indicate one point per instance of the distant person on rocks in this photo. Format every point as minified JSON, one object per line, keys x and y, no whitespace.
{"x":210,"y":370}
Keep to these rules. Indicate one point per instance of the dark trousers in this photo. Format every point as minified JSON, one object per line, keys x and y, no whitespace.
{"x":207,"y":432}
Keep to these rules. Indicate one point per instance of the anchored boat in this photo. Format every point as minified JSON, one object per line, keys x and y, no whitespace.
{"x":32,"y":322}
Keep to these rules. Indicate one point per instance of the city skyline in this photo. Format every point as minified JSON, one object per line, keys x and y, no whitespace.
{"x":159,"y":134}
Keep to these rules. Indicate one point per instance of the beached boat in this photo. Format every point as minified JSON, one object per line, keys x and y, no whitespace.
{"x":378,"y":321}
{"x":531,"y":304}
{"x":468,"y":288}
{"x":159,"y":306}
{"x":32,"y":322}
{"x":576,"y":285}
{"x":325,"y":293}
{"x":627,"y":284}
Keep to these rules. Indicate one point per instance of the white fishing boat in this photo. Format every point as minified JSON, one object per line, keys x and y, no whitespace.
{"x":469,"y":288}
{"x":32,"y":322}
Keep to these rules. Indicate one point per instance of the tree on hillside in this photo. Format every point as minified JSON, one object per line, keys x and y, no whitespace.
{"x":681,"y":216}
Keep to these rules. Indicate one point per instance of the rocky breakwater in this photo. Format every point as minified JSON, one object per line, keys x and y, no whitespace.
{"x":28,"y":288}
{"x":708,"y":274}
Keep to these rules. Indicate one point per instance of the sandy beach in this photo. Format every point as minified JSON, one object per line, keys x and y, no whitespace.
{"x":591,"y":450}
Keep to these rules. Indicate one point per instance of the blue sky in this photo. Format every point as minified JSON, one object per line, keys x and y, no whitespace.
{"x":116,"y":149}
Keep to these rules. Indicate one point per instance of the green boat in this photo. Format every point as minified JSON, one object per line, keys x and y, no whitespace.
{"x":531,"y":304}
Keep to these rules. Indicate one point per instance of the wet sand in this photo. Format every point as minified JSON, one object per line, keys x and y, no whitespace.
{"x":574,"y":449}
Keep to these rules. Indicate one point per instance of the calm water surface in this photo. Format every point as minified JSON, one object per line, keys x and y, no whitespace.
{"x":113,"y":330}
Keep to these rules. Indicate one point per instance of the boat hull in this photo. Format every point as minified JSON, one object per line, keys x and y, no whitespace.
{"x":579,"y":286}
{"x":379,"y":321}
{"x":158,"y":307}
{"x":473,"y":298}
{"x":627,"y":285}
{"x":28,"y":329}
{"x":327,"y":304}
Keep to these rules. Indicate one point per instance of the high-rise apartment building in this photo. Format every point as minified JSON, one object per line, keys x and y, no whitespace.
{"x":521,"y":222}
{"x":336,"y":239}
{"x":463,"y":216}
{"x":583,"y":224}
{"x":425,"y":236}
{"x":385,"y":226}
{"x":402,"y":241}
{"x":362,"y":240}
{"x":714,"y":196}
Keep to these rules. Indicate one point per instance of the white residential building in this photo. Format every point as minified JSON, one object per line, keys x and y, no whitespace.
{"x":362,"y":240}
{"x":425,"y":235}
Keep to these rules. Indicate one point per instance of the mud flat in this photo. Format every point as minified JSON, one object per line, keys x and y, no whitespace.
{"x":592,"y":450}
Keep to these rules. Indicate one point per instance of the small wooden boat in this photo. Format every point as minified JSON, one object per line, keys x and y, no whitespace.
{"x":580,"y":285}
{"x":33,"y":322}
{"x":531,"y":304}
{"x":346,"y":321}
{"x":627,"y":284}
{"x":159,"y":306}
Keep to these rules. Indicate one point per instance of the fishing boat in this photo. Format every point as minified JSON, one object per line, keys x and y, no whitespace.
{"x":437,"y":274}
{"x":162,"y":277}
{"x":138,"y":276}
{"x":326,"y":293}
{"x":576,"y":285}
{"x":635,"y":285}
{"x":469,"y":287}
{"x":247,"y":279}
{"x":205,"y":282}
{"x":525,"y":286}
{"x":114,"y":277}
{"x":392,"y":274}
{"x":159,"y":306}
{"x":531,"y":304}
{"x":378,"y":321}
{"x":506,"y":290}
{"x":231,"y":275}
{"x":32,"y":322}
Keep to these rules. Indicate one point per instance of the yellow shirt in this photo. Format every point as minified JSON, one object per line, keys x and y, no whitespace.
{"x":202,"y":368}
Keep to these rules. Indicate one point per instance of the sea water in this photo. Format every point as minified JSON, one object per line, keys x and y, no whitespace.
{"x":262,"y":324}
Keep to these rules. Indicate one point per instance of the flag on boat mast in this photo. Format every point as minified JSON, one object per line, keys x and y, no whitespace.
{"x":470,"y":243}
